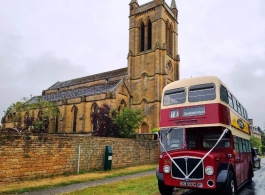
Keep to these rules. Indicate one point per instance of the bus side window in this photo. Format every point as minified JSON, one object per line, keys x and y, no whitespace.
{"x":224,"y":94}
{"x":248,"y":146}
{"x":243,"y":111}
{"x":244,"y":145}
{"x":240,"y":144}
{"x":235,"y":103}
{"x":236,"y":145}
{"x":230,"y":100}
{"x":239,"y":108}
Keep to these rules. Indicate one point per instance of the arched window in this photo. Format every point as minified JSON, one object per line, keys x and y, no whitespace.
{"x":94,"y":111}
{"x":144,"y":128}
{"x":122,"y":105}
{"x":57,"y":120}
{"x":74,"y":114}
{"x":149,"y":35}
{"x":142,"y":33}
{"x":167,"y":35}
{"x":40,"y":113}
{"x":169,"y":38}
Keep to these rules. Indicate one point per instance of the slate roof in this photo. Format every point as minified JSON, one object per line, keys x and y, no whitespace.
{"x":86,"y":79}
{"x":256,"y":132}
{"x":84,"y":91}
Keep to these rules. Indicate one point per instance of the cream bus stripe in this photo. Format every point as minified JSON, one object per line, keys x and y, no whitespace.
{"x":234,"y":131}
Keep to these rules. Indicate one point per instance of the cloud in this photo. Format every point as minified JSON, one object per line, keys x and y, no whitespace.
{"x":246,"y":80}
{"x":42,"y":42}
{"x":22,"y":76}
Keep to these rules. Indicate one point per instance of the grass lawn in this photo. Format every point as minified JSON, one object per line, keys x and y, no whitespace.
{"x":36,"y":184}
{"x":139,"y":186}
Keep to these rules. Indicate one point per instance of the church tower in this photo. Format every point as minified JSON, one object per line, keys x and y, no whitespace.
{"x":153,"y":59}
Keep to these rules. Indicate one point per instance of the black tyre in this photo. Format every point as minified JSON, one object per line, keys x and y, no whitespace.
{"x":164,"y":189}
{"x":230,"y":185}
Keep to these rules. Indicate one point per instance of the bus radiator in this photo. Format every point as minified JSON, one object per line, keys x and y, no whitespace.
{"x":187,"y":164}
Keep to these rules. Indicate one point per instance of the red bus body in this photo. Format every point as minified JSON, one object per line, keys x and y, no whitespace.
{"x":234,"y":160}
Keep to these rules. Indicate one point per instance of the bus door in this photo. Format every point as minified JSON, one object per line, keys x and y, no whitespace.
{"x":239,"y":159}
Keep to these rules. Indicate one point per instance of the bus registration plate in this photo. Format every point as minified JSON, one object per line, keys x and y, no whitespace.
{"x":188,"y":184}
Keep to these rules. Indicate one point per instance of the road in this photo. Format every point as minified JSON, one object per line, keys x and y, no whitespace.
{"x":256,"y":188}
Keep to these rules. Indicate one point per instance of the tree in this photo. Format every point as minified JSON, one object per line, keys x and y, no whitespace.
{"x":255,"y":142}
{"x":105,"y":126}
{"x":128,"y":120}
{"x":24,"y":108}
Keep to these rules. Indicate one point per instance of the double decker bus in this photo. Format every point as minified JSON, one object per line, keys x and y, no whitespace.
{"x":204,"y":138}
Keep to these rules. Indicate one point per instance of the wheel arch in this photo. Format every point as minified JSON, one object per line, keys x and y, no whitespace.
{"x":222,"y":174}
{"x":159,"y":175}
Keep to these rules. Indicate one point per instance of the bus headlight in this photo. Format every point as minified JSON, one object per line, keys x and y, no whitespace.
{"x":209,"y":170}
{"x":166,"y":169}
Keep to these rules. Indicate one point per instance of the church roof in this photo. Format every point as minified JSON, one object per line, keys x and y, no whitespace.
{"x":86,"y":79}
{"x":84,"y":91}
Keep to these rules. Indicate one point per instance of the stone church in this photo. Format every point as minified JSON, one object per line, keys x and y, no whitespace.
{"x":153,"y":62}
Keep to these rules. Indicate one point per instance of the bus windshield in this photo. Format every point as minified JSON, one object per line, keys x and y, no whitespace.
{"x":172,"y":138}
{"x":193,"y":138}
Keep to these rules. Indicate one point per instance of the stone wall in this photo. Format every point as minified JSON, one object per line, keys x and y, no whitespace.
{"x":27,"y":156}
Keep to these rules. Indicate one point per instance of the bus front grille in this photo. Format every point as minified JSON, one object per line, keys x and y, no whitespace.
{"x":187,"y":164}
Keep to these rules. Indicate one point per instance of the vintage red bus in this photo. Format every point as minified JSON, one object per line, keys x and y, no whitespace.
{"x":204,"y":138}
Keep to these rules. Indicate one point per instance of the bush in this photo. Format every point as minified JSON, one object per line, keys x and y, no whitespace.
{"x":105,"y":126}
{"x":154,"y":130}
{"x":128,"y":120}
{"x":263,"y":149}
{"x":255,"y":142}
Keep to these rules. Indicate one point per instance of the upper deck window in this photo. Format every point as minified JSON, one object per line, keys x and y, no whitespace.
{"x":174,"y":96}
{"x":224,"y":94}
{"x":202,"y":92}
{"x":230,"y":100}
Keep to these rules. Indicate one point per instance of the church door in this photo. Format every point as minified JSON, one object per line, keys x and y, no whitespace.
{"x":144,"y":128}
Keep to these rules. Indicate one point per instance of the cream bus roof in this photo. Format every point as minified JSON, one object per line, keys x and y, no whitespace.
{"x":196,"y":81}
{"x":193,"y":81}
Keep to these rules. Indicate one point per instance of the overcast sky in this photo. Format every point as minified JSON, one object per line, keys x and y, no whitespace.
{"x":45,"y":41}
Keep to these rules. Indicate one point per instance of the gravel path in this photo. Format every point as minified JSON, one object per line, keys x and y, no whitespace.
{"x":80,"y":186}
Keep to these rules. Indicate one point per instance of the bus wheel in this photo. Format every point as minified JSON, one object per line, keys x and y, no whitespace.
{"x":164,"y":189}
{"x":230,"y":185}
